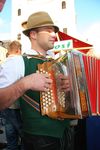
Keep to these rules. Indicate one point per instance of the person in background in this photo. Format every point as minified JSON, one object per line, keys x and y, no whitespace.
{"x":41,"y":132}
{"x":12,"y":116}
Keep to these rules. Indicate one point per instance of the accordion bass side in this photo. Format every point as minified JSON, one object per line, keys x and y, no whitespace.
{"x":73,"y":104}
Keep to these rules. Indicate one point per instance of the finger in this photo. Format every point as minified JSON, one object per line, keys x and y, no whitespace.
{"x":48,"y":85}
{"x":47,"y":76}
{"x":63,"y":77}
{"x":45,"y":89}
{"x":37,"y":71}
{"x":48,"y":81}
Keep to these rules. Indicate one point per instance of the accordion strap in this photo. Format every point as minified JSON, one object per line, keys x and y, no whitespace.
{"x":31,"y":102}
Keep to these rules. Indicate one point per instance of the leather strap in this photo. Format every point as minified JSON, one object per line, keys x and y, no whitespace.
{"x":31,"y":102}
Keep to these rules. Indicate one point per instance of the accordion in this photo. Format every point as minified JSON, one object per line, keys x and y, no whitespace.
{"x":81,"y":100}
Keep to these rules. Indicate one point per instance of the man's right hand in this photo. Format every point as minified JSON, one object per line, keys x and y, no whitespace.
{"x":38,"y":82}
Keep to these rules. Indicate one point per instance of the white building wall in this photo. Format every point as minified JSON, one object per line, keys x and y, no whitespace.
{"x":3,"y":52}
{"x":64,"y":18}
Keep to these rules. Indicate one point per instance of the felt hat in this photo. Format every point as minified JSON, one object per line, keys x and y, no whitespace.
{"x":37,"y":20}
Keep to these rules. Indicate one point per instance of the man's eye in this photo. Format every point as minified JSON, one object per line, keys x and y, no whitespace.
{"x":49,"y":31}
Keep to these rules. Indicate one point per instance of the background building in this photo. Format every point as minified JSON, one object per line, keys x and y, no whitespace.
{"x":62,"y":12}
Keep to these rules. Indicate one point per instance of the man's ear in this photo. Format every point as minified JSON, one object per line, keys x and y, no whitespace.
{"x":18,"y":51}
{"x":33,"y":34}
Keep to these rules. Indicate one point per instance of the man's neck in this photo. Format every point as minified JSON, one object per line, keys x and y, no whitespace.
{"x":40,"y":52}
{"x":11,"y":55}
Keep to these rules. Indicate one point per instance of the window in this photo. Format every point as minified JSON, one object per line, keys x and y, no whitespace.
{"x":19,"y":12}
{"x":19,"y":36}
{"x":65,"y":30}
{"x":63,"y":5}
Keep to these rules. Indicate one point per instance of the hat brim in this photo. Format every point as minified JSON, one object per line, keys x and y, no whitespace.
{"x":27,"y":31}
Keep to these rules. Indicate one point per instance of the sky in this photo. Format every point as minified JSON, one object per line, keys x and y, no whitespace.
{"x":87,"y":19}
{"x":5,"y":20}
{"x":88,"y":13}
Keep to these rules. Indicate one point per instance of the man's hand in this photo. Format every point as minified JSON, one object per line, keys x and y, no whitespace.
{"x":35,"y":82}
{"x":64,"y":82}
{"x":38,"y":82}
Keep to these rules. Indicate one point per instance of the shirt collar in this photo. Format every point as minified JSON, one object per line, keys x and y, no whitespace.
{"x":33,"y":52}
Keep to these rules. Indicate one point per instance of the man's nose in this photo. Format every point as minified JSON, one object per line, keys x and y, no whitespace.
{"x":53,"y":34}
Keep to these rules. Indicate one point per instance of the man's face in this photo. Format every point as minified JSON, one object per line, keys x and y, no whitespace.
{"x":45,"y":37}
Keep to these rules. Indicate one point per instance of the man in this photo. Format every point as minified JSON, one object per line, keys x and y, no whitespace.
{"x":41,"y":132}
{"x":13,"y":122}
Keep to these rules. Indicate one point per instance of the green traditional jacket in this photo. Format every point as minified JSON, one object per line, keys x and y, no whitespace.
{"x":33,"y":122}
